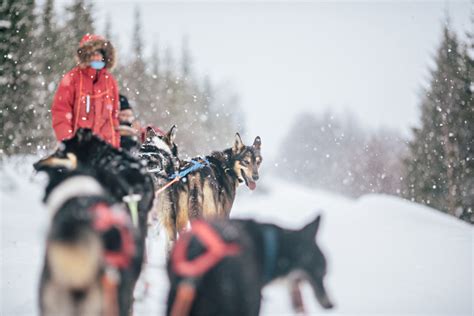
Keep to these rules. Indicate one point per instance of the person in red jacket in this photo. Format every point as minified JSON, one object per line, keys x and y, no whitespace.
{"x":87,"y":95}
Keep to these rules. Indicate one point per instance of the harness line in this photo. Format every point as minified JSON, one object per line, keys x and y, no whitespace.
{"x":196,"y":165}
{"x":170,"y":183}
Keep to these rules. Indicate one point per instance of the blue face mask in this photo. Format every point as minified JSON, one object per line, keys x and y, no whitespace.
{"x":97,"y":64}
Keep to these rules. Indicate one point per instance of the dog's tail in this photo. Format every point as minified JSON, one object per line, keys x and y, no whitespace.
{"x":165,"y":209}
{"x":75,"y":264}
{"x":195,"y":202}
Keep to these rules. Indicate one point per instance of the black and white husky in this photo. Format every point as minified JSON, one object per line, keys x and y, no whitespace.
{"x":160,"y":155}
{"x":118,"y":173}
{"x":90,"y":249}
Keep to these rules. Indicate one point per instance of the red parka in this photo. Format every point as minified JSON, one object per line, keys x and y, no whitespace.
{"x":87,"y":98}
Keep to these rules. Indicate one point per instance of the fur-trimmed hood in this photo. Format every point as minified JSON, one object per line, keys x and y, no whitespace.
{"x":88,"y":47}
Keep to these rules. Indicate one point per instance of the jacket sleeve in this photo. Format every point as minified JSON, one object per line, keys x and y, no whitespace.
{"x":63,"y":107}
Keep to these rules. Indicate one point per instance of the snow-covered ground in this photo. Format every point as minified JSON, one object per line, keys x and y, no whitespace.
{"x":386,"y":256}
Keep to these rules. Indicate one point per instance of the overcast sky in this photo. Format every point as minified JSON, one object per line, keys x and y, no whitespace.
{"x":367,"y":58}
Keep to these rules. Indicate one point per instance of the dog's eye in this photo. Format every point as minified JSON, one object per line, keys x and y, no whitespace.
{"x":245,"y":162}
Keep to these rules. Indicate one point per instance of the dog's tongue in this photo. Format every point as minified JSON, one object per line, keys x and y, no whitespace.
{"x":252,"y":185}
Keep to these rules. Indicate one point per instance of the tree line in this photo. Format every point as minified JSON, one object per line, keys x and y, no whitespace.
{"x":334,"y":152}
{"x":435,"y":166}
{"x":37,"y":48}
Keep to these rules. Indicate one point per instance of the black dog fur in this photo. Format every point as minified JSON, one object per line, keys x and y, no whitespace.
{"x":233,"y":286}
{"x":118,"y":171}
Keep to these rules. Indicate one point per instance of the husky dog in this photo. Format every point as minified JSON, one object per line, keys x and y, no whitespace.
{"x":90,"y":265}
{"x":121,"y":174}
{"x":209,"y":191}
{"x":160,"y":154}
{"x":220,"y":267}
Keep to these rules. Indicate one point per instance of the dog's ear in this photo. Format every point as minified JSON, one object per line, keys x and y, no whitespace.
{"x":257,"y":143}
{"x":238,"y":144}
{"x":150,"y":132}
{"x":52,"y":162}
{"x":311,"y":229}
{"x":171,"y":135}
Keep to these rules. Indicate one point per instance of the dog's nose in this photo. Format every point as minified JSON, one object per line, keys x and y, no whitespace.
{"x":255,"y":177}
{"x":329,"y":305}
{"x":325,"y":302}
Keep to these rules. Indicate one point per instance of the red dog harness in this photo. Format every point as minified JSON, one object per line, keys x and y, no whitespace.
{"x":105,"y":219}
{"x":217,"y":249}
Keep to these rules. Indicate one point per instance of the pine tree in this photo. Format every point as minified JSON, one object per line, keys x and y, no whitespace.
{"x":168,"y":108}
{"x":186,"y":61}
{"x":434,"y":166}
{"x":155,"y":61}
{"x":466,"y":134}
{"x":452,"y":125}
{"x":79,"y":22}
{"x":47,"y":57}
{"x":298,"y":150}
{"x":135,"y":79}
{"x":18,"y":77}
{"x":155,"y":81}
{"x":47,"y":41}
{"x":108,"y":29}
{"x":382,"y":164}
{"x":192,"y":106}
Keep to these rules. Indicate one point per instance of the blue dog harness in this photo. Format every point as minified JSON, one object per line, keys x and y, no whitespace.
{"x":179,"y":175}
{"x":270,"y":245}
{"x":195,"y":165}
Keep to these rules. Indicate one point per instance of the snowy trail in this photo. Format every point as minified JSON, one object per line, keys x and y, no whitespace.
{"x":23,"y":222}
{"x":386,"y":256}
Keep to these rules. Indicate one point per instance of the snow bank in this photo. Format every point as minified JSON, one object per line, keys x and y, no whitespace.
{"x":387,"y":256}
{"x":23,"y":222}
